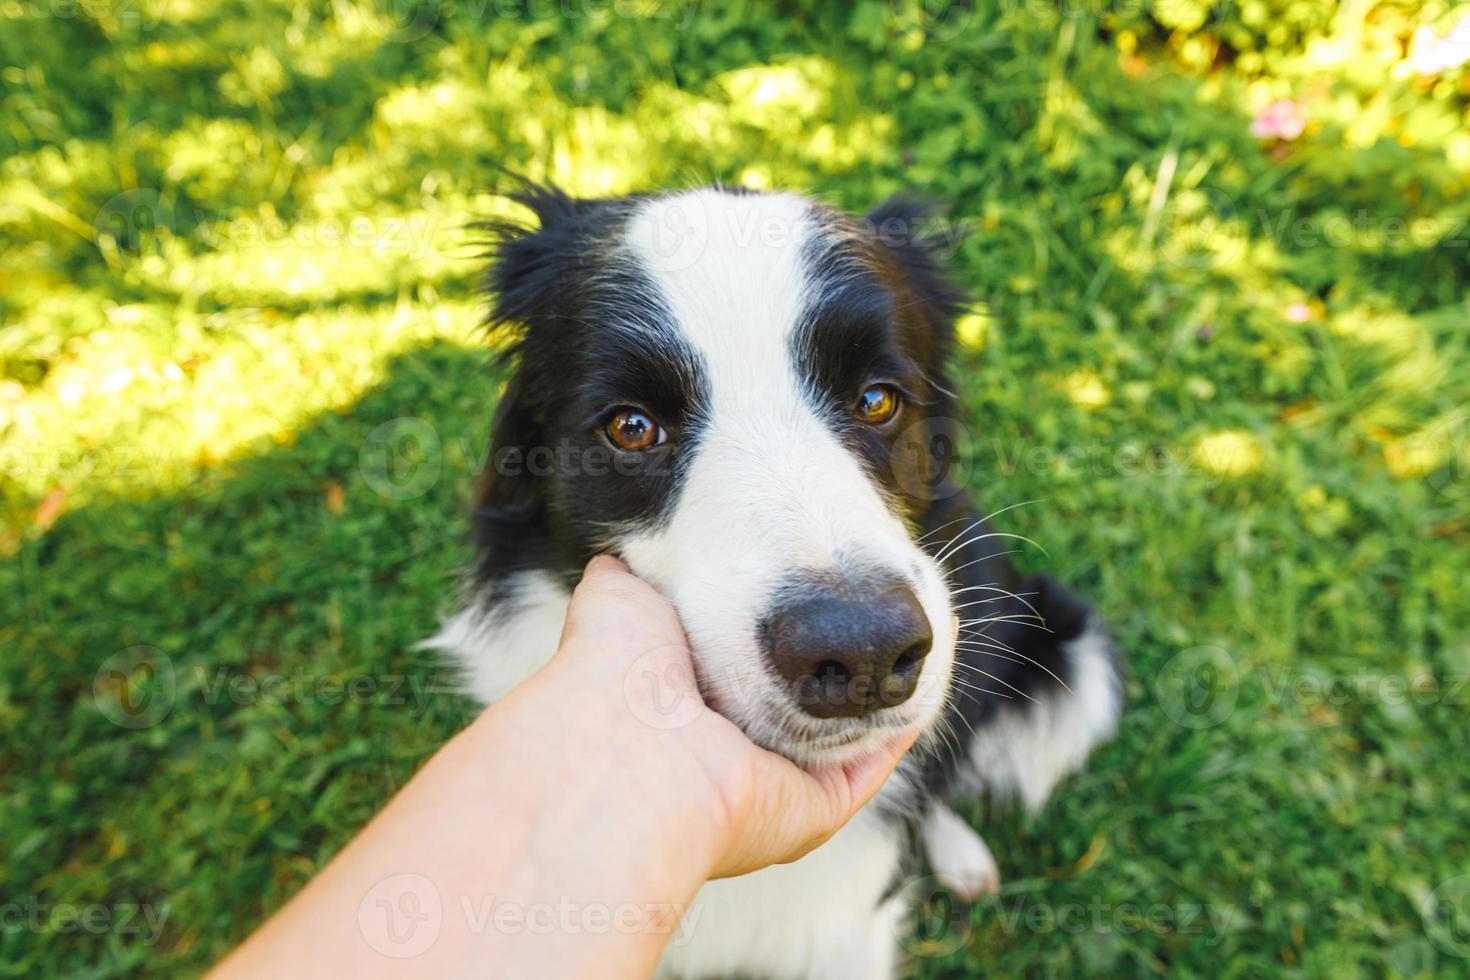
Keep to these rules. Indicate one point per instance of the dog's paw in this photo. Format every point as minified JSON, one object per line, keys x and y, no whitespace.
{"x":972,"y":873}
{"x":958,"y":855}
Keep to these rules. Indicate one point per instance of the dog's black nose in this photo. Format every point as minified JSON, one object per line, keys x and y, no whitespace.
{"x":846,"y":653}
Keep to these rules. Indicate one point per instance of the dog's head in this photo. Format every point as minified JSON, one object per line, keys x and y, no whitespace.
{"x":735,"y":392}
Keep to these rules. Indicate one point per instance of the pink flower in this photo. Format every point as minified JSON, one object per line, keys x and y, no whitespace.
{"x":1430,"y":54}
{"x":1282,"y":119}
{"x":1298,"y":312}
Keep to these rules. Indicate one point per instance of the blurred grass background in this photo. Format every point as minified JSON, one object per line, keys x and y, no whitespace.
{"x":1219,"y":255}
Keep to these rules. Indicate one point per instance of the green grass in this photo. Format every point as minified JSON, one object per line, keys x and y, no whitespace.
{"x":1234,"y":371}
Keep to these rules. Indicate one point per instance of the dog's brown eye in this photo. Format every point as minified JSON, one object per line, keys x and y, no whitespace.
{"x":877,"y":404}
{"x":632,"y":430}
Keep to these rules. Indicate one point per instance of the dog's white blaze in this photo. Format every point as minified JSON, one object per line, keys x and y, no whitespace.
{"x":770,"y":489}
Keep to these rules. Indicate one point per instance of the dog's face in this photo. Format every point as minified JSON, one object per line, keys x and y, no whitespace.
{"x":734,"y":393}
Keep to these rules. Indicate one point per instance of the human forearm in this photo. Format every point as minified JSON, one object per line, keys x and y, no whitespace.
{"x":490,"y":863}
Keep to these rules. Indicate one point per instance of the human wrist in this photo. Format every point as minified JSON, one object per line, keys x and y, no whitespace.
{"x":588,"y":886}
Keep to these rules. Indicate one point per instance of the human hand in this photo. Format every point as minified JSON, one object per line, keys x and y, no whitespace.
{"x":574,"y":791}
{"x":757,"y":807}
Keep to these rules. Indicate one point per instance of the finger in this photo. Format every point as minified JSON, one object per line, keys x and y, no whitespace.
{"x":613,"y":606}
{"x":608,"y":585}
{"x":868,"y":775}
{"x":605,"y":564}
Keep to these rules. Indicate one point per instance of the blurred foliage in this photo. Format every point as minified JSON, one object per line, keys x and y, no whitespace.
{"x":1219,"y":254}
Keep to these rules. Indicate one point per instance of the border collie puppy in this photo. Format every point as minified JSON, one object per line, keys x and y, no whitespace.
{"x":743,"y":396}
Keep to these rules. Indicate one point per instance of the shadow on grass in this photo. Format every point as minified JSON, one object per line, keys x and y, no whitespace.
{"x":206,"y":691}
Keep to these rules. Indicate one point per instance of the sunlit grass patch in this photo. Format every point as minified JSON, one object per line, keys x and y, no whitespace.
{"x":121,"y":413}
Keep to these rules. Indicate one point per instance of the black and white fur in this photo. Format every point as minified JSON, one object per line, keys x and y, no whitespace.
{"x":746,"y":324}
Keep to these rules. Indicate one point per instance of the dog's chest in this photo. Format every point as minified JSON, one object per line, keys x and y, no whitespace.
{"x":835,"y":913}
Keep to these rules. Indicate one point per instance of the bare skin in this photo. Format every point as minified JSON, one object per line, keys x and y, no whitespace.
{"x":563,"y":833}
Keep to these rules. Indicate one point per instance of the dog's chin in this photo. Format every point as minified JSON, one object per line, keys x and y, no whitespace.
{"x":838,"y":742}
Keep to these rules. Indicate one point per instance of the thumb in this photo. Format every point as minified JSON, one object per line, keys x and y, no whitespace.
{"x":615,"y":618}
{"x":792,"y":811}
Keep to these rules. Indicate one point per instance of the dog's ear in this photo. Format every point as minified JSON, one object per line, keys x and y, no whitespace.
{"x":913,"y":245}
{"x":529,"y":263}
{"x":510,"y":520}
{"x":531,"y":269}
{"x":908,"y":229}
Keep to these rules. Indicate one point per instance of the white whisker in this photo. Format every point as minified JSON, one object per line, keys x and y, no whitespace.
{"x":947,"y":549}
{"x":1003,"y":594}
{"x":964,"y":645}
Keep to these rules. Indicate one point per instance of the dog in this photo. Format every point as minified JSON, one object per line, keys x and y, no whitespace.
{"x":742,"y":394}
